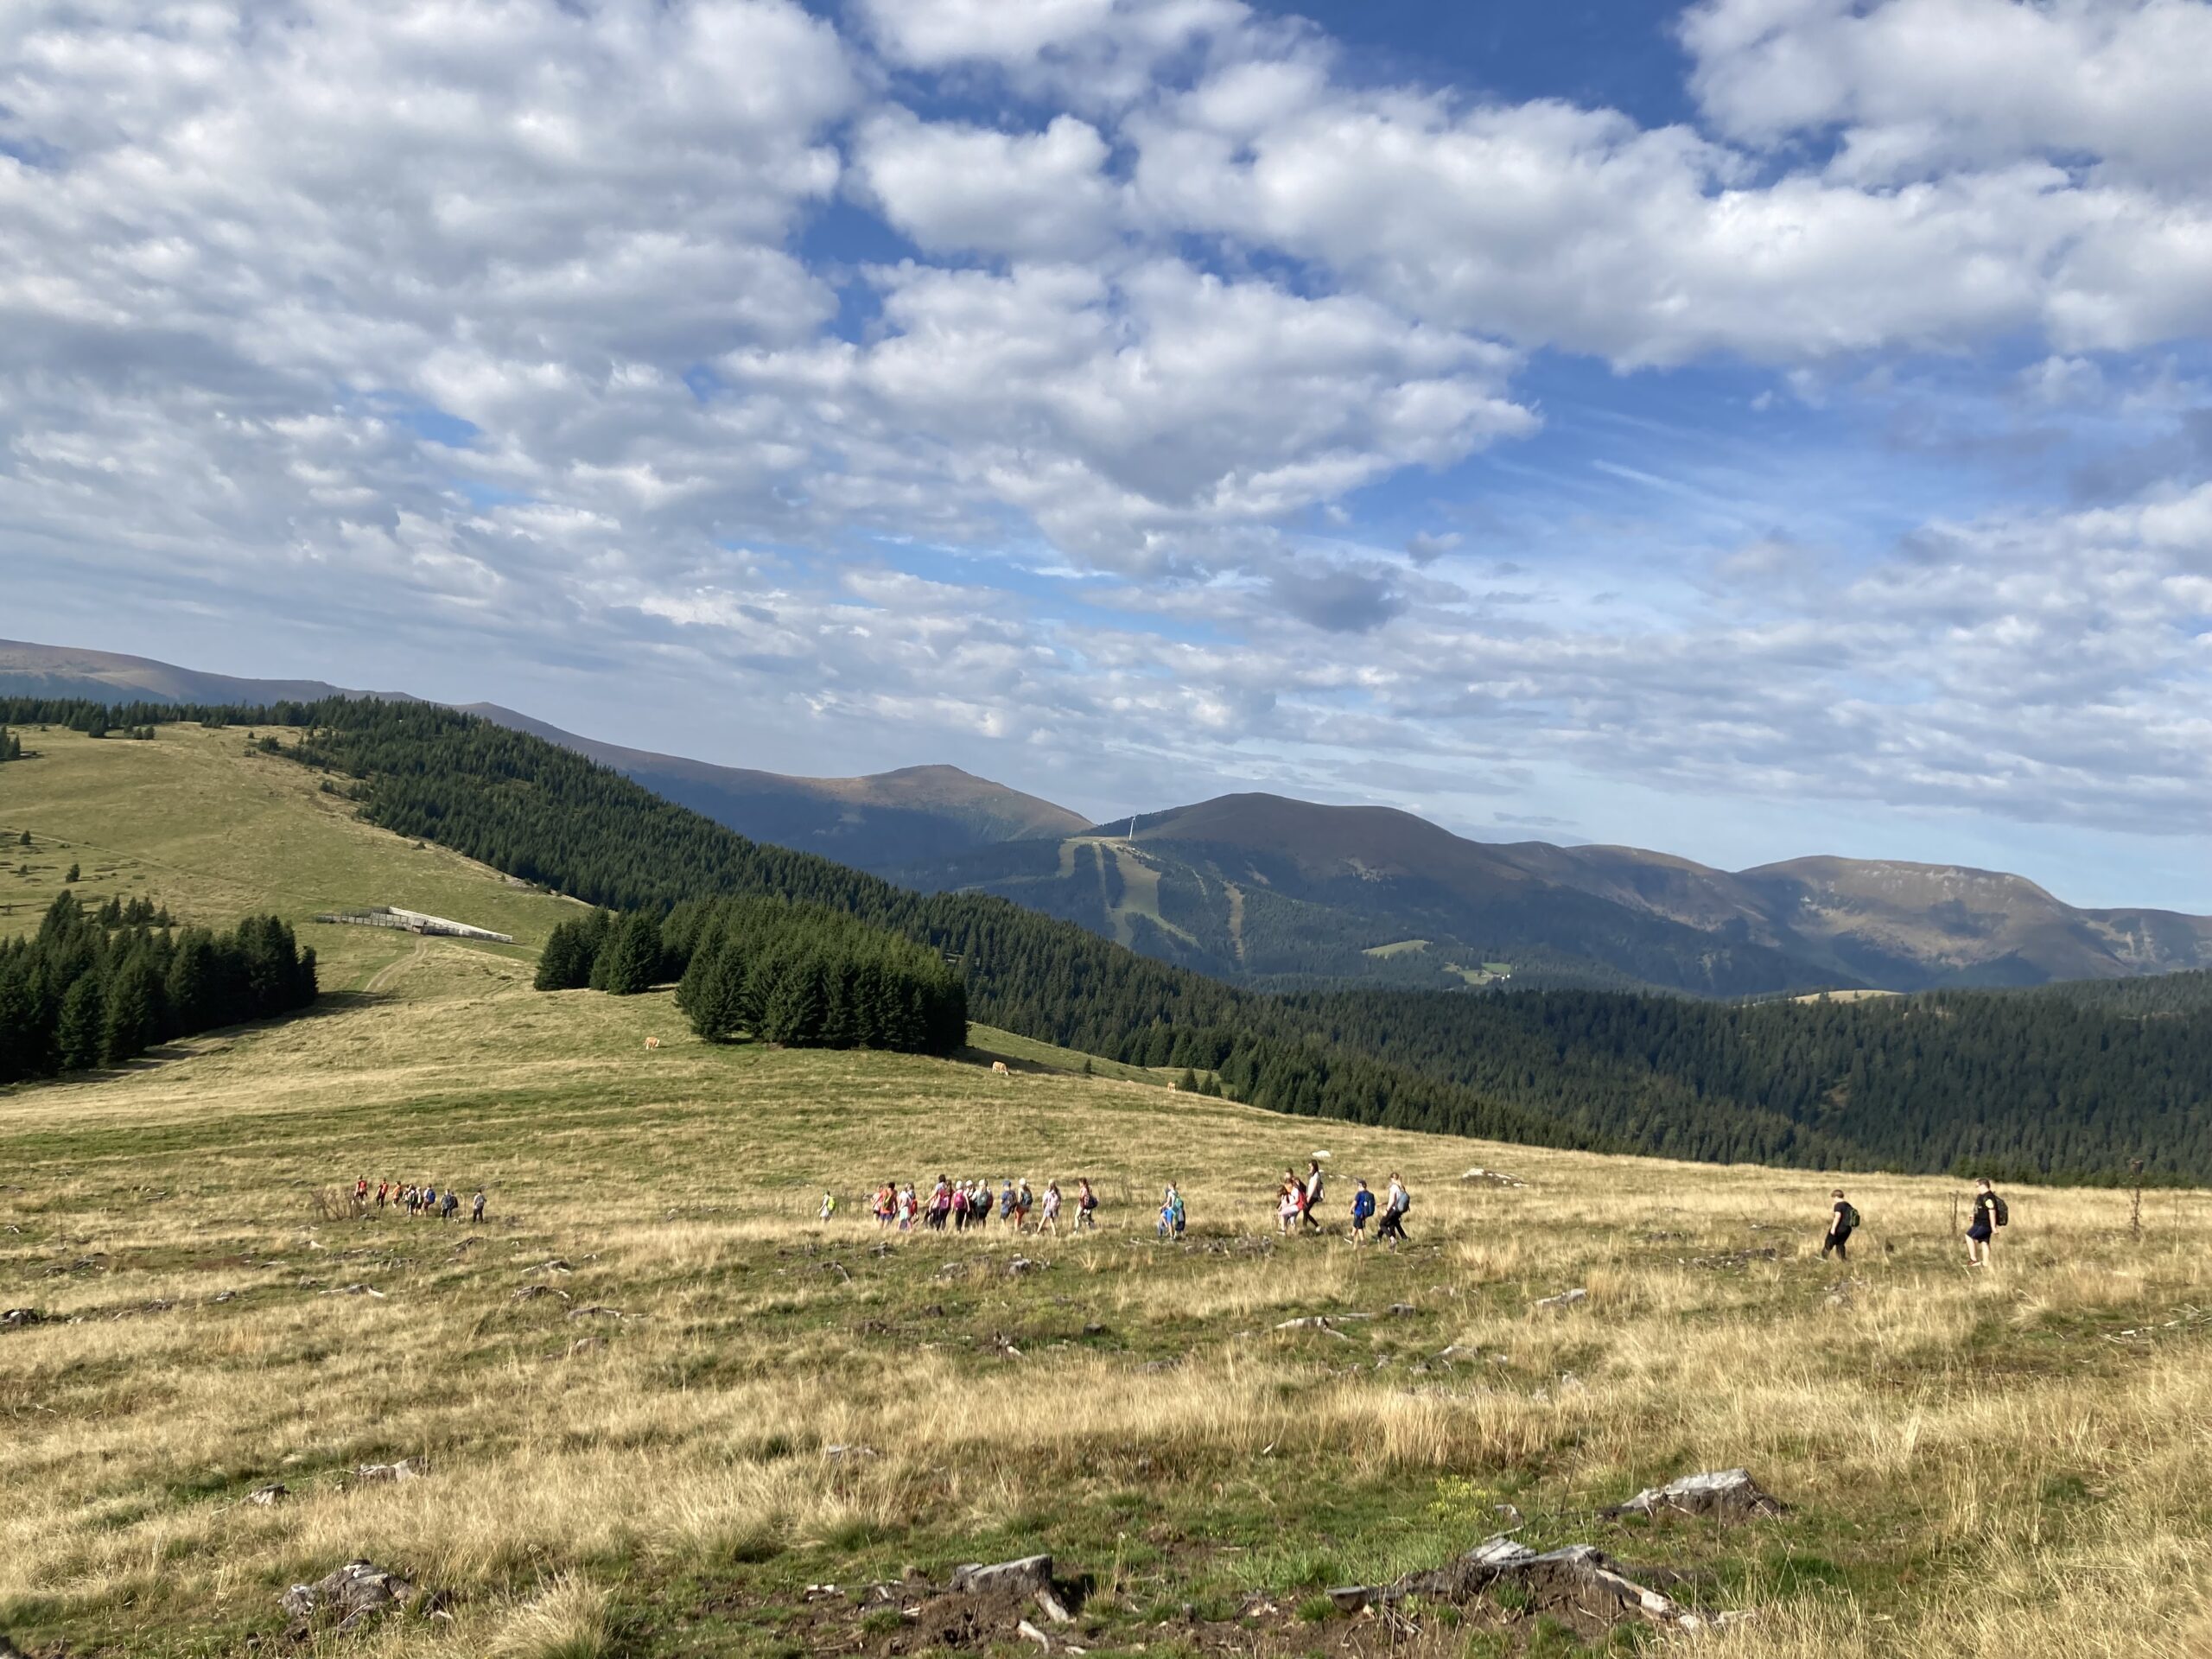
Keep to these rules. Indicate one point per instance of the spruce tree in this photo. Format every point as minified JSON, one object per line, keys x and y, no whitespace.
{"x":80,"y":1030}
{"x":133,"y":1022}
{"x":712,"y":994}
{"x":565,"y":964}
{"x":632,"y":962}
{"x":192,"y":990}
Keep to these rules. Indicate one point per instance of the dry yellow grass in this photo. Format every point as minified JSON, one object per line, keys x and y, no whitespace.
{"x":1978,"y":1465}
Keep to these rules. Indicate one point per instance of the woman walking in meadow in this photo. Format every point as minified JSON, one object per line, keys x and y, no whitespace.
{"x":1048,"y":1220}
{"x":1395,"y":1203}
{"x":1290,"y":1197}
{"x":1310,"y":1198}
{"x":1086,"y":1205}
{"x":1171,"y":1213}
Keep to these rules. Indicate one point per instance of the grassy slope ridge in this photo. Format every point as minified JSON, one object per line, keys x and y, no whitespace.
{"x":1968,"y":1460}
{"x":196,"y":820}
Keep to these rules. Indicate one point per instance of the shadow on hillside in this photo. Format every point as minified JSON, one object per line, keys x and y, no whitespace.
{"x":202,"y":1043}
{"x":988,"y":1057}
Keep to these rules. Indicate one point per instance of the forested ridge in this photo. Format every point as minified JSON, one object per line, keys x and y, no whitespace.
{"x":2067,"y":1082}
{"x":2059,"y":1081}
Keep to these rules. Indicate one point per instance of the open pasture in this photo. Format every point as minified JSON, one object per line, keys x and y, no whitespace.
{"x":1974,"y":1465}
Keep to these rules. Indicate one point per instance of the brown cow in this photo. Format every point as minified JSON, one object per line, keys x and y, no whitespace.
{"x":652,"y":1042}
{"x":998,"y":1069}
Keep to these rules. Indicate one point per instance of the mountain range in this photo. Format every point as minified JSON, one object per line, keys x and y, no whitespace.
{"x":1277,"y":891}
{"x":1285,"y":893}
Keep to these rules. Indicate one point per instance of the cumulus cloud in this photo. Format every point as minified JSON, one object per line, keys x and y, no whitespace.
{"x":1096,"y":53}
{"x":1134,"y":414}
{"x":1915,"y":84}
{"x":957,"y":188}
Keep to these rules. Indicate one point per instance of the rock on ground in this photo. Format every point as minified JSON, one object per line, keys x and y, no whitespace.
{"x":1025,"y":1576}
{"x":1581,"y":1583}
{"x":355,"y":1593}
{"x":1730,"y":1493}
{"x":405,"y":1469}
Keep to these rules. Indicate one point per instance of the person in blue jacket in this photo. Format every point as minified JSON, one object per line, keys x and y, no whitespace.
{"x":1363,"y":1206}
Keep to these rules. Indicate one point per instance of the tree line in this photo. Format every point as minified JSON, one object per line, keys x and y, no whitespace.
{"x":96,"y":987}
{"x":800,"y":975}
{"x":2066,"y":1086}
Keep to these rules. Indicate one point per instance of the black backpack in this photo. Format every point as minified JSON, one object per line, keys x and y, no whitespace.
{"x":1998,"y":1212}
{"x":1850,"y":1217}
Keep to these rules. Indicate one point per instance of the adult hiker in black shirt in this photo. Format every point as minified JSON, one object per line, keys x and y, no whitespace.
{"x":1988,"y":1217}
{"x":1842,"y":1220}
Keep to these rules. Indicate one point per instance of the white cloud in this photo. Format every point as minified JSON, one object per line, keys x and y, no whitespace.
{"x":1125,"y":412}
{"x":1919,"y":84}
{"x":1095,"y":53}
{"x":1562,"y":227}
{"x":958,"y":188}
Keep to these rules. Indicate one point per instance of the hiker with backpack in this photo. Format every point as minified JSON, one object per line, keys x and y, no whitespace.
{"x":476,"y":1209}
{"x":1989,"y":1214}
{"x":1313,"y":1189}
{"x":1843,"y":1220}
{"x":1395,"y":1203}
{"x":1086,"y":1205}
{"x":1171,"y":1213}
{"x":1363,"y":1206}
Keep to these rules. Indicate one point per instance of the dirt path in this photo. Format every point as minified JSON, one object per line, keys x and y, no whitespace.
{"x":391,"y":970}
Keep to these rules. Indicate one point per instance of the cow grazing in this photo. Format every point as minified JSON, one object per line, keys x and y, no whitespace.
{"x":652,"y":1042}
{"x":998,"y":1069}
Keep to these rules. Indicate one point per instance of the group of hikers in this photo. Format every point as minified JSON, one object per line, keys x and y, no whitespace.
{"x":1299,"y":1202}
{"x":417,"y":1200}
{"x":963,"y":1205}
{"x":1990,"y":1212}
{"x":960,"y":1205}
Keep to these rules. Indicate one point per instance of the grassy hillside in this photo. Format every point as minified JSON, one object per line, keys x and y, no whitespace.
{"x":197,"y":821}
{"x":1968,"y":1460}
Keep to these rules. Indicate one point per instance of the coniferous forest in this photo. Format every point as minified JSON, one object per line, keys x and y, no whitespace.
{"x":801,"y":976}
{"x":99,"y":987}
{"x":2067,"y":1082}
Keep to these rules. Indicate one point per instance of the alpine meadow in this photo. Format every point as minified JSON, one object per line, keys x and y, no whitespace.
{"x":657,"y":1404}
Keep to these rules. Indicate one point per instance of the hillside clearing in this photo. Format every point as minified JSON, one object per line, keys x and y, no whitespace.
{"x":196,"y":820}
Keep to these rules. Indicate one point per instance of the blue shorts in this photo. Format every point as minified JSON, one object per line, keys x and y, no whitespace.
{"x":1978,"y":1232}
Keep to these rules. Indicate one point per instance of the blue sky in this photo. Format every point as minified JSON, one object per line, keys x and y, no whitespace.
{"x":1757,"y":428}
